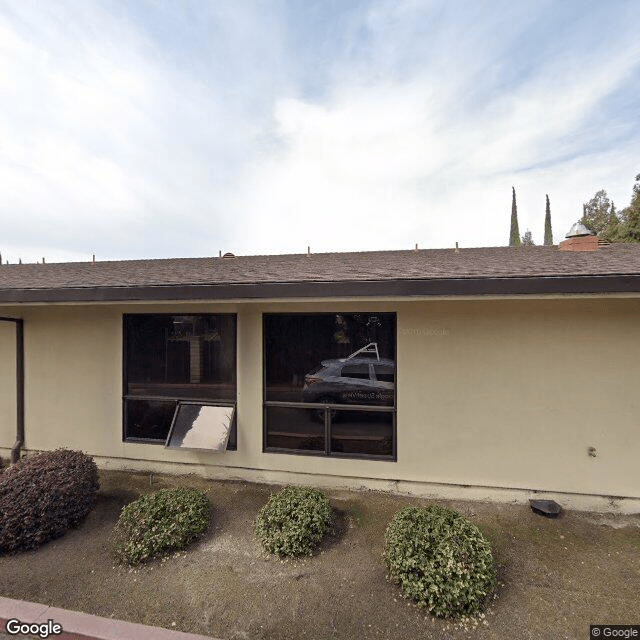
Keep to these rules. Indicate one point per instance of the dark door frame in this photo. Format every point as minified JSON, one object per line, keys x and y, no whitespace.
{"x":15,"y":451}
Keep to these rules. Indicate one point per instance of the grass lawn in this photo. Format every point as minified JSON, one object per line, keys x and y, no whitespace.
{"x":556,"y":576}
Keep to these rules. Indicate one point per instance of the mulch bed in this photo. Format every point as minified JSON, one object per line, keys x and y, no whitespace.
{"x":556,"y":576}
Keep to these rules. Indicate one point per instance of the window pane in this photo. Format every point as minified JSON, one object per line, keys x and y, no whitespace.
{"x":177,"y":357}
{"x":198,"y":426}
{"x":305,"y":357}
{"x":149,"y":419}
{"x":295,"y":428}
{"x":181,"y":356}
{"x":363,"y":432}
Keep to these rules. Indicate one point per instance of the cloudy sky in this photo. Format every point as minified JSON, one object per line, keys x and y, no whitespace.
{"x":153,"y":128}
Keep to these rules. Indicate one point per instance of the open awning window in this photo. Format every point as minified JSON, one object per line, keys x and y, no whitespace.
{"x":201,"y":426}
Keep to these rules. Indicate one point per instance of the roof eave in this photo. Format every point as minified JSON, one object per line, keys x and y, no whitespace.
{"x":339,"y":289}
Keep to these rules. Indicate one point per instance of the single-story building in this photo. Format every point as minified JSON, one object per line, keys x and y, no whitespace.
{"x":488,"y":373}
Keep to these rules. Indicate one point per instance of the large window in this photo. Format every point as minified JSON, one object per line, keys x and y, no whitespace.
{"x":330,"y":384}
{"x":173,"y":358}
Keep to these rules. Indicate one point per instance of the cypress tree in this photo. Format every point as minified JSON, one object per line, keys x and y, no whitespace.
{"x":548,"y":234}
{"x":514,"y":236}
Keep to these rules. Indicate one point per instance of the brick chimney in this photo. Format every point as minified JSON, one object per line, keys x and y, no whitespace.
{"x":579,"y":238}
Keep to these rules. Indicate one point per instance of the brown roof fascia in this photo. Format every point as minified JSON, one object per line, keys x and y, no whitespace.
{"x":348,"y":289}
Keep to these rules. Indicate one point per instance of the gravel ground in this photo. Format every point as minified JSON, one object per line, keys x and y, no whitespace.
{"x":556,"y":576}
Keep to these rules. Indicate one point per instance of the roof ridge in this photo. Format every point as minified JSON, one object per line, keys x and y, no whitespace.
{"x":295,"y":255}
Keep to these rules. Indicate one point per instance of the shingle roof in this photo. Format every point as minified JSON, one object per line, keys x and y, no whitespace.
{"x":616,"y":263}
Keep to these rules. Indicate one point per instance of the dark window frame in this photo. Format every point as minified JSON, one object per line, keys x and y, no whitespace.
{"x":126,"y":396}
{"x":328,"y":407}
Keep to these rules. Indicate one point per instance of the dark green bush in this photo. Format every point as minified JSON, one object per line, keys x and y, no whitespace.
{"x":441,"y":560}
{"x":42,"y":496}
{"x":293,"y":521}
{"x":160,"y":522}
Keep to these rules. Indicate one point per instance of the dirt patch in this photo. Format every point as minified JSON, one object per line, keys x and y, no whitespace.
{"x":556,"y":576}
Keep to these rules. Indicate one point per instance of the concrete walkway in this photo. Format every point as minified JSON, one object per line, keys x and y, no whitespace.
{"x":81,"y":626}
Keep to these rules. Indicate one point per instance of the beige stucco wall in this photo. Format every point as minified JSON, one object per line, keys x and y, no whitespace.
{"x":7,"y":383}
{"x":491,"y":393}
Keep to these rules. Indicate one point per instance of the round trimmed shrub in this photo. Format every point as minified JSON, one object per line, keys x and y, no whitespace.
{"x":293,"y":521}
{"x":160,"y":522}
{"x":441,"y":560}
{"x":42,"y":496}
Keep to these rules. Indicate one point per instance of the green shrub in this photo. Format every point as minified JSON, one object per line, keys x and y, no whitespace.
{"x":293,"y":521}
{"x":441,"y":560}
{"x":160,"y":522}
{"x":42,"y":496}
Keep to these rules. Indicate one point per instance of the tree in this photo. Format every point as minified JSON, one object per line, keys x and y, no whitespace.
{"x":631,"y":228}
{"x":622,"y":215}
{"x":596,"y":212}
{"x":514,"y":236}
{"x":527,"y":239}
{"x":600,"y":215}
{"x":548,"y":234}
{"x":611,"y":232}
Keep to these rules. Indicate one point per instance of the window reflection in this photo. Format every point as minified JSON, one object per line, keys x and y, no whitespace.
{"x":330,"y":359}
{"x":177,"y":357}
{"x":362,"y":432}
{"x":294,"y":428}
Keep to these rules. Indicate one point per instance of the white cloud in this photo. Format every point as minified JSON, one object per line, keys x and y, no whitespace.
{"x":390,"y":162}
{"x":108,"y":147}
{"x":162,"y":132}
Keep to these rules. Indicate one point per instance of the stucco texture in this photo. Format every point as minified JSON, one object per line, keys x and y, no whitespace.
{"x":7,"y":383}
{"x":505,"y":393}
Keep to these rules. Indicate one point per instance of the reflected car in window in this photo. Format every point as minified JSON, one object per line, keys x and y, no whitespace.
{"x":351,"y":381}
